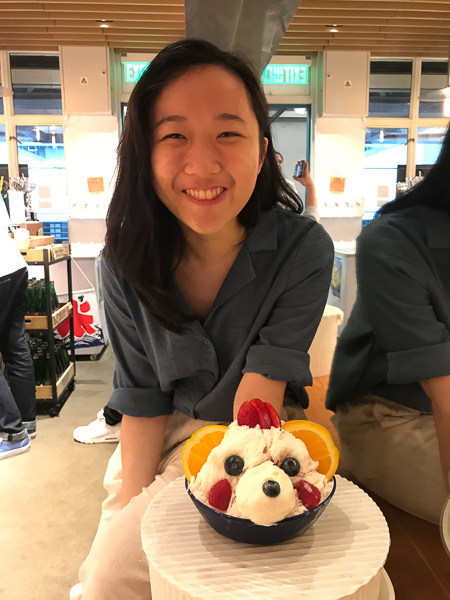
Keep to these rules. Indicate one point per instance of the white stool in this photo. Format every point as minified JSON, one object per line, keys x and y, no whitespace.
{"x":341,"y":555}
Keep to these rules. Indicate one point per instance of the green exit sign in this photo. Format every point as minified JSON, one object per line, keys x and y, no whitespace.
{"x":285,"y":75}
{"x":273,"y":74}
{"x":133,"y":70}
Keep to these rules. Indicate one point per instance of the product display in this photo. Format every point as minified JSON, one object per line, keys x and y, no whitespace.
{"x":40,"y":353}
{"x":36,"y":300}
{"x":260,"y":469}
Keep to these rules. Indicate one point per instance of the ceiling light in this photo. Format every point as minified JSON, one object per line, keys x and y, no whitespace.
{"x":38,"y":134}
{"x":334,"y":30}
{"x":53,"y":140}
{"x":104,"y":25}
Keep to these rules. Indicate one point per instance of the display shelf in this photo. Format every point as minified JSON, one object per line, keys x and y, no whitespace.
{"x":54,"y":395}
{"x":46,"y":254}
{"x":40,"y":322}
{"x":45,"y":392}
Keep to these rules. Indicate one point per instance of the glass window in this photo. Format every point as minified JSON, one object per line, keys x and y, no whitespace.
{"x":429,"y":143}
{"x":36,"y":84}
{"x":384,"y":165}
{"x":434,"y":77}
{"x":390,"y":88}
{"x":41,"y":148}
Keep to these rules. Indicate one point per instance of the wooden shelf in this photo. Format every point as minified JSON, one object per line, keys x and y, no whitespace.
{"x":55,"y":252}
{"x":39,"y":322}
{"x":44,"y":392}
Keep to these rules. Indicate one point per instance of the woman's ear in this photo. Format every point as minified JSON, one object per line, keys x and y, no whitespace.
{"x":264,"y":146}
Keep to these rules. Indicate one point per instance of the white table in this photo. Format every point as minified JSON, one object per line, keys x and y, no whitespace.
{"x":341,"y":555}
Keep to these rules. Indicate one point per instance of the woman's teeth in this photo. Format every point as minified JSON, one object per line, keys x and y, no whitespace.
{"x":205,"y":194}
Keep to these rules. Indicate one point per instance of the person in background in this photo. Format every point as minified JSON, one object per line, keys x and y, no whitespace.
{"x":311,"y":209}
{"x":390,"y":379}
{"x":212,"y":293}
{"x":18,"y":399}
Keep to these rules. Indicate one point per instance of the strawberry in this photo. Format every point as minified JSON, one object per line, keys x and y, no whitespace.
{"x":307,"y":493}
{"x":220,"y":495}
{"x":276,"y":421}
{"x":264,"y":416}
{"x":248,"y":415}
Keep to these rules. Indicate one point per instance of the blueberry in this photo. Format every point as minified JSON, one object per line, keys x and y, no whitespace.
{"x":234,"y":465}
{"x":291,"y":466}
{"x":271,"y":488}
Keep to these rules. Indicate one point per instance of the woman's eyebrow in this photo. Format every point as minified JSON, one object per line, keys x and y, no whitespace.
{"x":170,"y":119}
{"x":229,"y":117}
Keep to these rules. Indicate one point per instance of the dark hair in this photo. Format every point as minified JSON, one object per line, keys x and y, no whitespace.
{"x":433,"y":190}
{"x":280,"y":155}
{"x":143,"y":238}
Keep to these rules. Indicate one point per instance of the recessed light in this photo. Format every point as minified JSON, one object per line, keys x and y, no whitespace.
{"x":333,"y":25}
{"x":334,"y":30}
{"x":106,"y":25}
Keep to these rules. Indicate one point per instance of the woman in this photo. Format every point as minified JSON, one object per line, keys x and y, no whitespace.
{"x":212,"y":295}
{"x":390,"y":380}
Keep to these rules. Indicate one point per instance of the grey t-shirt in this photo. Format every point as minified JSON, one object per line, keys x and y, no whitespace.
{"x":262,"y":321}
{"x":399,"y":331}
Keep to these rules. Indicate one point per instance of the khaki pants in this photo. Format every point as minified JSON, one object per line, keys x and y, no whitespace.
{"x":393,"y":451}
{"x":116,"y":567}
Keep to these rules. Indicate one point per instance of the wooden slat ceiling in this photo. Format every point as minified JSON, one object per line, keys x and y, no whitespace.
{"x":385,"y":27}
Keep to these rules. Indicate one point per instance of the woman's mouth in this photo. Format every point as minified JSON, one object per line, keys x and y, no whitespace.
{"x":208,"y":195}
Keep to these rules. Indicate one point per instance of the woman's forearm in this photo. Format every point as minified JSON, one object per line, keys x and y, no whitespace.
{"x":254,"y":385}
{"x":312,"y":196}
{"x":438,"y":390}
{"x":141,"y":444}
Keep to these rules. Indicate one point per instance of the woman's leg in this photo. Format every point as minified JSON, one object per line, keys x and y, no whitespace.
{"x":393,"y":451}
{"x":116,"y":567}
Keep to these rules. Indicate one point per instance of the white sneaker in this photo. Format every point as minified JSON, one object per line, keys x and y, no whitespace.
{"x":76,"y":592}
{"x":97,"y":432}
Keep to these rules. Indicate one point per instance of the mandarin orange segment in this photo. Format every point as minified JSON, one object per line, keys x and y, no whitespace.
{"x":319,"y":443}
{"x":197,"y":448}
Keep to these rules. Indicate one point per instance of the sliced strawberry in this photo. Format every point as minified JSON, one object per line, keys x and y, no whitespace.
{"x":220,"y":495}
{"x":248,"y":415}
{"x":264,"y":416}
{"x":276,"y":421}
{"x":307,"y":493}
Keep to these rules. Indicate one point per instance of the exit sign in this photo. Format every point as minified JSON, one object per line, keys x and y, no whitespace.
{"x":285,"y":75}
{"x":273,"y":74}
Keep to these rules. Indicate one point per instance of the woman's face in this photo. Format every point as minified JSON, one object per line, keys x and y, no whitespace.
{"x":207,"y":151}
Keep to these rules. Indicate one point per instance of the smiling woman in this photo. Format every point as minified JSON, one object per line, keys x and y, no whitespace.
{"x":214,"y":285}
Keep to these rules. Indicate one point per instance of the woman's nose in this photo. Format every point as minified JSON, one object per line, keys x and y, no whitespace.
{"x":202,"y":160}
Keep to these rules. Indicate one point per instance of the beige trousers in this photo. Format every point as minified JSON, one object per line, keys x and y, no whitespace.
{"x":393,"y":451}
{"x":116,"y":567}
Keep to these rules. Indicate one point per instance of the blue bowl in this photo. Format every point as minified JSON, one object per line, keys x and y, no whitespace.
{"x":244,"y":530}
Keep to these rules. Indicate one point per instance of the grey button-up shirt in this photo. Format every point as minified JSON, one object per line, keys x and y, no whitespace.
{"x":399,"y":331}
{"x":262,"y":321}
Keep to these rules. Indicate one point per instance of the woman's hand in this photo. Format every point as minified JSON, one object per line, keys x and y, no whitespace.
{"x":254,"y":385}
{"x":141,"y":444}
{"x":305,"y":179}
{"x":438,"y":390}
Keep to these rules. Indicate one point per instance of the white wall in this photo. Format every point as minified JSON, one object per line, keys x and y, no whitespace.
{"x":339,"y":152}
{"x":90,"y":145}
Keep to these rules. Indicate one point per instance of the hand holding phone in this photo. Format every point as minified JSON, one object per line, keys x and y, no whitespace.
{"x":299,"y":170}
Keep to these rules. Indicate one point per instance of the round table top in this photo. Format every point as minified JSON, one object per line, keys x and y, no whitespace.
{"x":339,"y":555}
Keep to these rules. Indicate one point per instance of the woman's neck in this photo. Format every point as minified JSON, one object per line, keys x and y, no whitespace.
{"x":213,"y":247}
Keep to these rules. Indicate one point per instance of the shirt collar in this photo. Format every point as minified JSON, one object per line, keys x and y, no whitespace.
{"x":437,"y":227}
{"x":264,"y":235}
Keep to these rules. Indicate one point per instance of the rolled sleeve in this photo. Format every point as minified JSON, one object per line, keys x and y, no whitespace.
{"x":136,"y":388}
{"x":281,"y":350}
{"x":398,"y":301}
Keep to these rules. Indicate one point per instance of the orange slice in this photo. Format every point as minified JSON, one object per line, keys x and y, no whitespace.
{"x":319,"y":442}
{"x":196,"y":450}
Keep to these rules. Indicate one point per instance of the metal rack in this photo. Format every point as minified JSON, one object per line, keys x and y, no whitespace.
{"x":53,"y":397}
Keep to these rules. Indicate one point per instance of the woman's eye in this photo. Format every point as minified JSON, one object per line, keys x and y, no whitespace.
{"x":291,"y":466}
{"x":174,"y":136}
{"x":234,"y":465}
{"x":227,"y":134}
